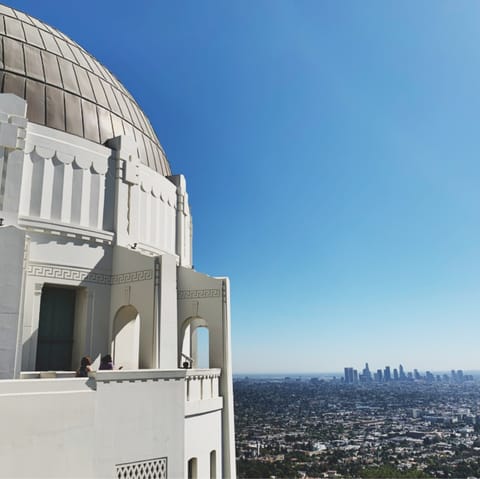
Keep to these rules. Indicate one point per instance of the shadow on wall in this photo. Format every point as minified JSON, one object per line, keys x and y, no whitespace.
{"x":126,"y":337}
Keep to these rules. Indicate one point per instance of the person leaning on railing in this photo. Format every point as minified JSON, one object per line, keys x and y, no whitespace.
{"x":85,"y":367}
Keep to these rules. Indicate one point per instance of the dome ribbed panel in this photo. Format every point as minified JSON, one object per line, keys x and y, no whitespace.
{"x":67,"y":89}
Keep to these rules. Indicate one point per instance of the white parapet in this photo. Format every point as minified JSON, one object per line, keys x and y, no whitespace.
{"x":92,"y":427}
{"x":202,"y":384}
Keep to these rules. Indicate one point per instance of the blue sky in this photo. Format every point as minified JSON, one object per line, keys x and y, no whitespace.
{"x":332,"y":154}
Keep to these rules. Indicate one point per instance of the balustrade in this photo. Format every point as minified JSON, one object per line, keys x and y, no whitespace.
{"x":202,"y":384}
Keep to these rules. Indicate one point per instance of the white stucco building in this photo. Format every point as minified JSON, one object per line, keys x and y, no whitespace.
{"x":96,"y":258}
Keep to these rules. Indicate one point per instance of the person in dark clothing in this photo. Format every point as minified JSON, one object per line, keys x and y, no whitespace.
{"x":106,"y":362}
{"x":84,"y":369}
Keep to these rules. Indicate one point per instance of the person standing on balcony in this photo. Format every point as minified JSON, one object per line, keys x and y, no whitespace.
{"x":106,"y":363}
{"x":84,"y":369}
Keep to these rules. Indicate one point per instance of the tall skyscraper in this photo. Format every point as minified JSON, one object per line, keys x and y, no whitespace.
{"x":387,"y":376}
{"x":367,"y":375}
{"x":349,"y":376}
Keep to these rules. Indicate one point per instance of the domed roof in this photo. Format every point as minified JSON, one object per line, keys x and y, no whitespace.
{"x":67,"y":89}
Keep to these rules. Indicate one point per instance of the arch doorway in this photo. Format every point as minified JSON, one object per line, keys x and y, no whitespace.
{"x":195,"y":345}
{"x":126,"y":338}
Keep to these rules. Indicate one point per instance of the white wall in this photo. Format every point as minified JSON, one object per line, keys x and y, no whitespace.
{"x":166,"y":312}
{"x":12,"y":250}
{"x":145,"y":202}
{"x":12,"y":143}
{"x":149,"y":284}
{"x":72,"y":262}
{"x":126,"y":338}
{"x":62,"y":428}
{"x":135,"y":287}
{"x":154,"y":205}
{"x":201,"y":296}
{"x":203,"y":434}
{"x":64,"y":179}
{"x":184,"y":231}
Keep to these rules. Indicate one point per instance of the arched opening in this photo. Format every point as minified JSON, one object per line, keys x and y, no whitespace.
{"x":192,"y":468}
{"x":126,"y":338}
{"x":213,"y":464}
{"x":195,"y":344}
{"x":203,"y":352}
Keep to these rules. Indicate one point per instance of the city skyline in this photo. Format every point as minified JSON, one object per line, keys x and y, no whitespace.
{"x":389,"y":374}
{"x":331,"y":152}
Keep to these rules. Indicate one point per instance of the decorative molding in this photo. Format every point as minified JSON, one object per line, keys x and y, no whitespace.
{"x":132,"y":277}
{"x":71,"y":273}
{"x":224,"y":291}
{"x":37,"y":289}
{"x":198,"y":293}
{"x":85,"y":160}
{"x":152,"y":469}
{"x":66,"y":230}
{"x":194,"y":374}
{"x":66,"y":273}
{"x":13,"y":123}
{"x":157,"y":186}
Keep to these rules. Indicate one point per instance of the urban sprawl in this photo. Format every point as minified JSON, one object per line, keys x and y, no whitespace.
{"x":404,"y":424}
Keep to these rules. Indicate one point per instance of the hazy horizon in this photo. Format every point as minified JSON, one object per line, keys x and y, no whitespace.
{"x":338,"y":373}
{"x":465,"y":370}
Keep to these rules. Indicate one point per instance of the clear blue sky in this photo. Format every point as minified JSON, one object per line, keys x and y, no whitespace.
{"x":332,"y":154}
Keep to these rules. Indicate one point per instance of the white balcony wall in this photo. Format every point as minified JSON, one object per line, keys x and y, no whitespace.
{"x":70,"y":428}
{"x":202,"y":384}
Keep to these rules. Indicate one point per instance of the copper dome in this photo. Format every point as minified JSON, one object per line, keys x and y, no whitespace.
{"x":67,"y":89}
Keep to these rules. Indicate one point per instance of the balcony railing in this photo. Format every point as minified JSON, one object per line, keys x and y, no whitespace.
{"x":202,"y":384}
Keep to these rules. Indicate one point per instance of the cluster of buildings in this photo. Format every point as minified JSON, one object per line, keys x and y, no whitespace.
{"x":352,"y":376}
{"x":317,"y":427}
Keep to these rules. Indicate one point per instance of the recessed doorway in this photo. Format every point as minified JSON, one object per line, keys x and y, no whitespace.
{"x":55,"y":329}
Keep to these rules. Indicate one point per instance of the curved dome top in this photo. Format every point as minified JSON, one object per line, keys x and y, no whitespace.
{"x":67,"y":89}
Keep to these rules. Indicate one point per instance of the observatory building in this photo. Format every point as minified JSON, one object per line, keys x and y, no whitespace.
{"x":95,"y":259}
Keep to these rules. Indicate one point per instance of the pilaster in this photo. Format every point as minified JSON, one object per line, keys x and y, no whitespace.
{"x":166,"y":312}
{"x":126,"y":181}
{"x":183,"y":237}
{"x":13,"y":131}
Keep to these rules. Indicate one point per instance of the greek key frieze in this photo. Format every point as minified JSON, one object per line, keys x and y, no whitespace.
{"x":145,"y":275}
{"x":57,"y":272}
{"x":91,"y":276}
{"x":198,"y":293}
